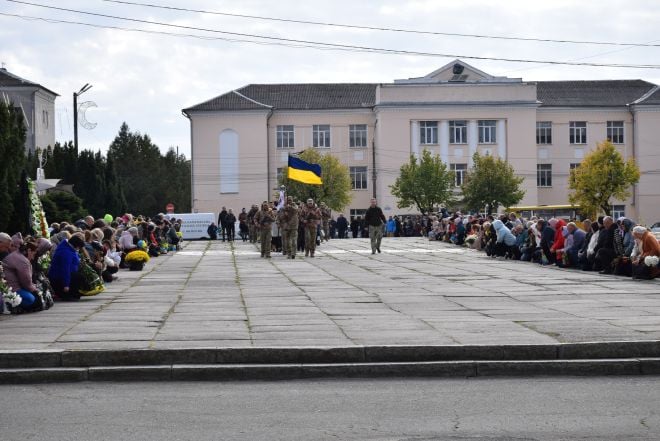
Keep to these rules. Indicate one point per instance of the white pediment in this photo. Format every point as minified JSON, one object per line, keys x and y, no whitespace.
{"x":458,"y":71}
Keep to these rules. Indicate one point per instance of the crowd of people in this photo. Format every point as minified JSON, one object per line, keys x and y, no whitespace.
{"x":605,"y":245}
{"x":78,"y":259}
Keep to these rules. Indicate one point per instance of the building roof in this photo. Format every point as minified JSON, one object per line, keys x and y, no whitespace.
{"x":8,"y":79}
{"x":293,"y":97}
{"x":600,"y":93}
{"x":652,"y":97}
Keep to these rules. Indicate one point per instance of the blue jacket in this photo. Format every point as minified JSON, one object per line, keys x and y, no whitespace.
{"x":504,"y":234}
{"x":578,"y":239}
{"x":65,"y":262}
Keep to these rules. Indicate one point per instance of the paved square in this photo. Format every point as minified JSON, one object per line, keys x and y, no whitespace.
{"x":215,"y":294}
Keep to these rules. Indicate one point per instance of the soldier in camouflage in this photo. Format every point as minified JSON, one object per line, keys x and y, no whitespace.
{"x":264,"y":219}
{"x":326,"y":215}
{"x":252,"y":227}
{"x":290,"y":229}
{"x":310,"y":216}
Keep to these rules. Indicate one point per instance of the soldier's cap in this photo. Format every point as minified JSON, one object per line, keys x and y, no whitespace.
{"x":310,"y":200}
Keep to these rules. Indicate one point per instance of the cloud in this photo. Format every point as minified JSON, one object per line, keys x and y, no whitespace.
{"x":146,"y":79}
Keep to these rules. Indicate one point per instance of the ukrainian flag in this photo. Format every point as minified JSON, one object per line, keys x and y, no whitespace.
{"x":304,"y":172}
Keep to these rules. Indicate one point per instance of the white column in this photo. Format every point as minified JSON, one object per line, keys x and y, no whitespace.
{"x":444,"y":141}
{"x":414,"y":138}
{"x":501,"y":138}
{"x":473,"y":139}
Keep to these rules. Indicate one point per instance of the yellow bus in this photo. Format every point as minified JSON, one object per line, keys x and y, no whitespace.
{"x":568,"y":212}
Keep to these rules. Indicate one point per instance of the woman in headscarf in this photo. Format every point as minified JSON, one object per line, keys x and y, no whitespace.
{"x":648,"y":247}
{"x":18,"y":274}
{"x":63,"y":272}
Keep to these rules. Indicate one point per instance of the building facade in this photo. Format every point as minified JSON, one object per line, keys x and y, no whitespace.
{"x":36,"y":103}
{"x":240,"y":140}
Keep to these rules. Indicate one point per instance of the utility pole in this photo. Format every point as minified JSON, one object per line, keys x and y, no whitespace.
{"x":82,"y":90}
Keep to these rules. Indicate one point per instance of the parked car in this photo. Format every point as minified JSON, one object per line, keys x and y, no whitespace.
{"x":655,"y":229}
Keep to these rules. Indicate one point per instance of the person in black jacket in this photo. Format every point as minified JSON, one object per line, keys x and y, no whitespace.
{"x":222,"y":222}
{"x":342,"y":226}
{"x":547,"y":239}
{"x":605,"y":247}
{"x":375,"y":219}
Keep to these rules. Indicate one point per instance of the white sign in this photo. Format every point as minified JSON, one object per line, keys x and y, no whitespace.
{"x":194,"y":225}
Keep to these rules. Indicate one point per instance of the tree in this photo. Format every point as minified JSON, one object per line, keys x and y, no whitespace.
{"x":602,"y":175}
{"x":61,"y":206}
{"x":12,"y":161}
{"x":424,"y":183}
{"x":491,"y":182}
{"x":336,"y":188}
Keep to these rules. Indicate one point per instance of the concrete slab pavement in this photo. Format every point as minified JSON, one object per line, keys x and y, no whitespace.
{"x":219,"y":294}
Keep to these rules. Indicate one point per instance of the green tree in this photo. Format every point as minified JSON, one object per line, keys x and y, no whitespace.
{"x":336,"y":188}
{"x":61,"y":206}
{"x":602,"y":175}
{"x":12,"y":161}
{"x":423,"y":183}
{"x":491,"y":182}
{"x":177,"y":191}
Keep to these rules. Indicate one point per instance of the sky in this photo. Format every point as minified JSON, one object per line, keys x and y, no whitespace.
{"x":145,"y":79}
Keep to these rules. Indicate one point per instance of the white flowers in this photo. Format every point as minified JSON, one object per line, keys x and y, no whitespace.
{"x":11,"y":298}
{"x":651,"y":261}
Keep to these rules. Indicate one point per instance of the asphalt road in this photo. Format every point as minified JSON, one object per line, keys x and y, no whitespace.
{"x":604,"y":408}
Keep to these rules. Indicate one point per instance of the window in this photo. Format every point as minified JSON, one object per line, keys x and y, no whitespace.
{"x":544,"y":175}
{"x":428,"y":132}
{"x":577,"y":132}
{"x":615,"y":132}
{"x":321,"y":135}
{"x":355,"y":212}
{"x":458,"y":132}
{"x":573,"y":165}
{"x":459,"y":173}
{"x":543,"y":132}
{"x":357,"y":135}
{"x":618,"y":211}
{"x":229,"y":161}
{"x":285,"y":139}
{"x":358,"y":178}
{"x":487,"y":131}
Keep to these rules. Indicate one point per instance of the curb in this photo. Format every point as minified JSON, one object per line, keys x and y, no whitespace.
{"x":273,"y":372}
{"x":330,"y":355}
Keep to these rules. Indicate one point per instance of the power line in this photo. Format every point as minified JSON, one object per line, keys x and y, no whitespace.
{"x":323,"y":45}
{"x":385,"y":29}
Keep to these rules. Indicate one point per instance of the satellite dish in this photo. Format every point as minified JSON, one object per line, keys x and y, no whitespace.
{"x":82,"y":117}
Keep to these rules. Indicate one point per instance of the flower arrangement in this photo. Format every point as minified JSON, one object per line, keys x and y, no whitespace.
{"x":44,"y":262}
{"x":37,"y":215}
{"x":9,"y":297}
{"x":137,"y":256}
{"x":651,"y":261}
{"x":471,"y":239}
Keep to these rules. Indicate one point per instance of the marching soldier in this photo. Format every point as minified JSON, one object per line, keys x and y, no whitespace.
{"x":264,"y":219}
{"x":290,"y":230}
{"x":310,"y":216}
{"x":326,"y":214}
{"x":252,"y":227}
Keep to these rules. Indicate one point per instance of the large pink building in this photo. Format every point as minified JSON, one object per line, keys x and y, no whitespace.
{"x":240,"y":140}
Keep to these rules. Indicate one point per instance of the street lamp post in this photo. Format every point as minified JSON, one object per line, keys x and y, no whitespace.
{"x":82,"y":90}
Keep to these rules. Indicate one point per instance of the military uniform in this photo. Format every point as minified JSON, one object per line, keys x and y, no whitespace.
{"x":326,"y":214}
{"x":252,"y":227}
{"x":264,"y":219}
{"x":310,"y":217}
{"x":290,"y":228}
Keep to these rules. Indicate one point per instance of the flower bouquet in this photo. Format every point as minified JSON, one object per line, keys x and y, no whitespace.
{"x":10,"y":299}
{"x":44,"y":263}
{"x":37,"y":215}
{"x":471,"y":239}
{"x":136,"y":260}
{"x":90,"y":281}
{"x":651,"y":261}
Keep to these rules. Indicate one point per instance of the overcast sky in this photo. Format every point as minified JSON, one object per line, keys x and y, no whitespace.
{"x":146,"y":79}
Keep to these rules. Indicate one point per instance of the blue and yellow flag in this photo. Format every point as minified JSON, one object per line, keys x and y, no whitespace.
{"x":304,"y":172}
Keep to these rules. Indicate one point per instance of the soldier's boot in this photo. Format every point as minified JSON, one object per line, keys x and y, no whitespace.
{"x":306,"y":253}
